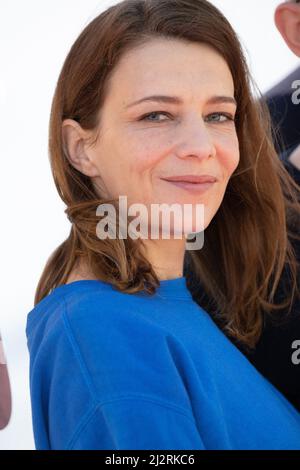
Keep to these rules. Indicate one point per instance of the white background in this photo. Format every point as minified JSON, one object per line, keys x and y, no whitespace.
{"x":35,"y":37}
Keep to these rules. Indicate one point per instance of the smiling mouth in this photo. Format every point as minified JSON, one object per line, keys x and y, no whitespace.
{"x":192,"y":184}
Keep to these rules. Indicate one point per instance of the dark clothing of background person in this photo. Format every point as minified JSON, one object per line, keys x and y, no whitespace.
{"x":285,"y":114}
{"x":5,"y":396}
{"x":277,"y":353}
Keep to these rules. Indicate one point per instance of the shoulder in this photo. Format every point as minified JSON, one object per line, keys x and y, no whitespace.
{"x":284,"y":86}
{"x":102,"y":321}
{"x":70,"y":310}
{"x":77,"y":301}
{"x":94,"y":307}
{"x":95,"y":320}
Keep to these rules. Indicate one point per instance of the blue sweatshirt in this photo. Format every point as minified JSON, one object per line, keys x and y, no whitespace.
{"x":117,"y":371}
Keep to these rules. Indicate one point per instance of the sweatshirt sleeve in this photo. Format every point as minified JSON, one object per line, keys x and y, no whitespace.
{"x":137,"y":423}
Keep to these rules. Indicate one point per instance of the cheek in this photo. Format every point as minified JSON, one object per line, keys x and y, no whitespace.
{"x":130,"y":173}
{"x":147,"y":148}
{"x":146,"y":157}
{"x":229,"y":155}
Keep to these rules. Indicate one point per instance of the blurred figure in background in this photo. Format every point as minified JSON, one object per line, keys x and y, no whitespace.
{"x":284,"y":99}
{"x":5,"y":396}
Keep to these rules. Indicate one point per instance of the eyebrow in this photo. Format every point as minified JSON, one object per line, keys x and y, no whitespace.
{"x":177,"y":100}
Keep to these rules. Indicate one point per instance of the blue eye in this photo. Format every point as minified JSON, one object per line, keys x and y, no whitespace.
{"x":227,"y":117}
{"x":154,"y":113}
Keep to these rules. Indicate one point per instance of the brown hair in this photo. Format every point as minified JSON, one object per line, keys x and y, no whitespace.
{"x":247,"y":244}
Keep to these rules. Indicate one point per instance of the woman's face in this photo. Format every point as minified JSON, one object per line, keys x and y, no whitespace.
{"x":191,"y":134}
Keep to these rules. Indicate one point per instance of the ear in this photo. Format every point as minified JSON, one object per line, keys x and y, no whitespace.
{"x":76,"y":149}
{"x":287,"y":20}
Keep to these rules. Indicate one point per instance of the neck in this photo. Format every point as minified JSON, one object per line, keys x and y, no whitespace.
{"x":166,"y":257}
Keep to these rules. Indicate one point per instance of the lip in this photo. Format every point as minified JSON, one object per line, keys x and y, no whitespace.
{"x":194,"y":179}
{"x":192,"y":183}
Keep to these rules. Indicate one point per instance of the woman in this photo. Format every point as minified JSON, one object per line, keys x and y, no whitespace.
{"x":121,"y":355}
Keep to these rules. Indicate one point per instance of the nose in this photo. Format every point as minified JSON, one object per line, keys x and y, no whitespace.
{"x":195,"y":140}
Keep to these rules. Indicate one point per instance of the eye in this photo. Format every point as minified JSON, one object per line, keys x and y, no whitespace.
{"x":214,"y":117}
{"x":146,"y":117}
{"x":220,"y":117}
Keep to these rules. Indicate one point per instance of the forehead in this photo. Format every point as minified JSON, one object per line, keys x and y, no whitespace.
{"x":166,"y":65}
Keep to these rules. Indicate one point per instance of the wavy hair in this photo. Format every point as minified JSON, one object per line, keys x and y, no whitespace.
{"x":247,"y":244}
